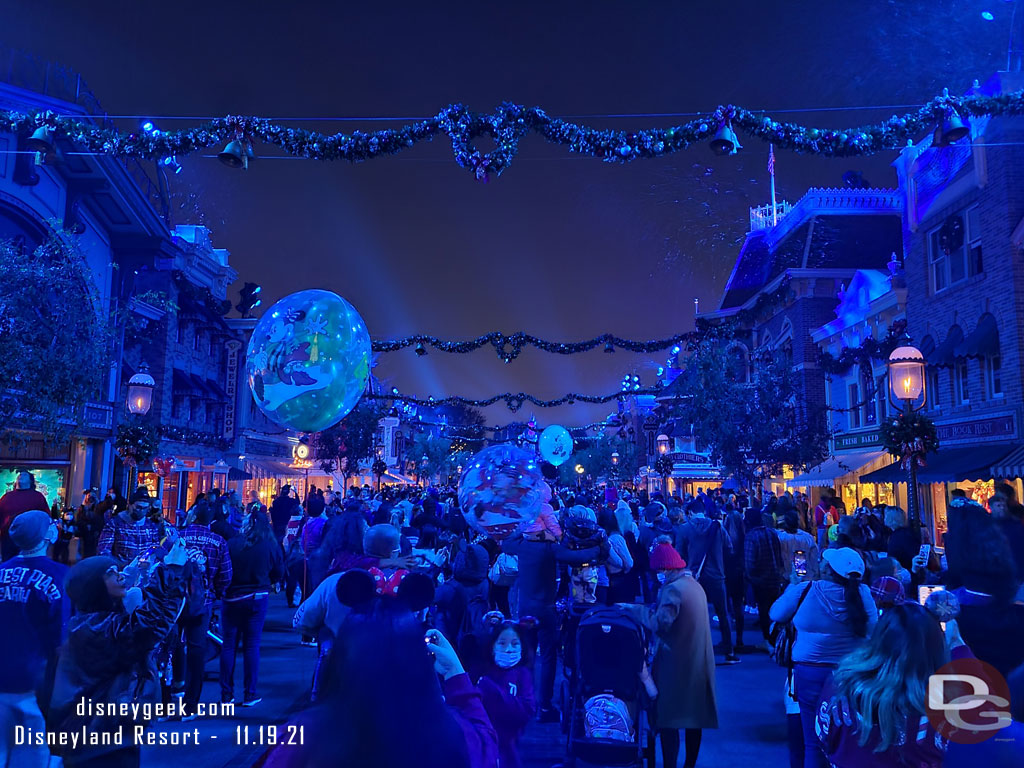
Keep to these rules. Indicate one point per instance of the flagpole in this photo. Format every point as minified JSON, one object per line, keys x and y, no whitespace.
{"x":771,"y":169}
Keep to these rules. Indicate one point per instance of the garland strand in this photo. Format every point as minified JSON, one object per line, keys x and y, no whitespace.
{"x":507,"y":125}
{"x":478,"y":430}
{"x":513,"y":401}
{"x":509,"y":346}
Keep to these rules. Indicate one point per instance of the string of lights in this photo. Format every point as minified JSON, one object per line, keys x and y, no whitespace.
{"x":478,"y":430}
{"x":513,"y":400}
{"x":507,"y":125}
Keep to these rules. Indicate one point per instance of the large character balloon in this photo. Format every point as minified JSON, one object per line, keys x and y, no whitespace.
{"x":501,"y":491}
{"x":308,"y":360}
{"x":556,"y":445}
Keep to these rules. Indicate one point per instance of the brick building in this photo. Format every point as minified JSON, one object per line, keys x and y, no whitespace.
{"x":964,"y":234}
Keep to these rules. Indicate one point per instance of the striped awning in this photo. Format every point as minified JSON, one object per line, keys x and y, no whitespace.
{"x":825,"y":474}
{"x":1011,"y":465}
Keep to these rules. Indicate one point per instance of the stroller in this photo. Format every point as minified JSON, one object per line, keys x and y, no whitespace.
{"x":610,"y":651}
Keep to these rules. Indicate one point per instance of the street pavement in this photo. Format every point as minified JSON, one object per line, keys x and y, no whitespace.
{"x":752,"y":723}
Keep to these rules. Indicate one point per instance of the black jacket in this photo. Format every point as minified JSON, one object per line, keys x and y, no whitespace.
{"x":538,"y":565}
{"x":109,"y":658}
{"x":254,"y":568}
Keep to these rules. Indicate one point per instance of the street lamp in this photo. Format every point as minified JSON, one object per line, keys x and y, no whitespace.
{"x":662,"y":441}
{"x":906,"y":367}
{"x":140,"y":391}
{"x":615,"y":458}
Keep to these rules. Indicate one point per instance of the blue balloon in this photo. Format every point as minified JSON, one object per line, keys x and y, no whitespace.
{"x":308,"y":360}
{"x":555,"y":445}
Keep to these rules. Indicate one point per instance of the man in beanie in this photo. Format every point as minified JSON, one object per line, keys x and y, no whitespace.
{"x":21,"y":498}
{"x":109,"y":653}
{"x":33,"y":615}
{"x":131,"y":533}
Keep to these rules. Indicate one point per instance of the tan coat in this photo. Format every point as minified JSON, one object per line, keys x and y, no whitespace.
{"x":684,"y":662}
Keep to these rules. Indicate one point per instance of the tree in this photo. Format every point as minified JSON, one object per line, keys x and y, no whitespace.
{"x":469,"y":422}
{"x":751,"y":428}
{"x":55,"y":339}
{"x":438,"y":453}
{"x":594,"y":454}
{"x":344,"y":446}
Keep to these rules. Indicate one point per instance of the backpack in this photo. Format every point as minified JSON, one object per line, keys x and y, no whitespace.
{"x":504,"y":571}
{"x":473,"y":615}
{"x":606,"y":717}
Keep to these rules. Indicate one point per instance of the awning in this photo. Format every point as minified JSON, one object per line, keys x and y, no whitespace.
{"x":1011,"y":465}
{"x":216,"y":389}
{"x":182,"y":383}
{"x":946,"y":352}
{"x":276,"y":468}
{"x":200,"y":387}
{"x":825,"y":474}
{"x":983,"y":341}
{"x":948,"y":465}
{"x":237,"y":474}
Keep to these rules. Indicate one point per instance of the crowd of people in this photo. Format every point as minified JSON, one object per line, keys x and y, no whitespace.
{"x":428,"y":633}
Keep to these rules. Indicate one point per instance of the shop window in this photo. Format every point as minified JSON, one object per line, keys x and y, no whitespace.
{"x":954,"y":250}
{"x":961,"y":388}
{"x":869,"y":415}
{"x":854,"y":407}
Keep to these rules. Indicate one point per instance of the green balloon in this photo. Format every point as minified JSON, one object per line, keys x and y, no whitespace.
{"x":308,"y":360}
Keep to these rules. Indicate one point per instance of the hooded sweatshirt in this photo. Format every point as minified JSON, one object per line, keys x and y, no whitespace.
{"x":701,"y":542}
{"x":824,"y":633}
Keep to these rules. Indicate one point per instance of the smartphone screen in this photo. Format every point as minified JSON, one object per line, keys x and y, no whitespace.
{"x":800,"y":563}
{"x":925,"y":551}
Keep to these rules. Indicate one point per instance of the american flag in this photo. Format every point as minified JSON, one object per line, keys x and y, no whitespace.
{"x":771,"y":159}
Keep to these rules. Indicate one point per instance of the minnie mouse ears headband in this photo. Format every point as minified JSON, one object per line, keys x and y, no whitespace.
{"x":358,"y":587}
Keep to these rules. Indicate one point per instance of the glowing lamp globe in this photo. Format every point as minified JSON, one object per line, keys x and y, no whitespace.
{"x":140,"y":392}
{"x":308,"y":360}
{"x":906,"y":373}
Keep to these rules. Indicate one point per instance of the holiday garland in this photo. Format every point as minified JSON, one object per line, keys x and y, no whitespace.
{"x":193,"y":437}
{"x":869,"y":350}
{"x":136,"y":443}
{"x":513,"y":400}
{"x":908,"y":437}
{"x":508,"y":346}
{"x":507,"y":125}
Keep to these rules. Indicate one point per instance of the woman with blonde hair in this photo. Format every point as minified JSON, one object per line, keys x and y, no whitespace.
{"x":874,"y":712}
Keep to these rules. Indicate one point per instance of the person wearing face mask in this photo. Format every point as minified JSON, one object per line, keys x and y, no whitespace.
{"x":684,"y":660}
{"x":33,"y":613}
{"x":130,"y":533}
{"x":109,"y":654}
{"x":507,"y":689}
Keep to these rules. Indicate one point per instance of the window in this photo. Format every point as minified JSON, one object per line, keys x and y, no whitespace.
{"x":854,"y":406}
{"x":870,"y":414}
{"x":992,"y":368}
{"x":954,"y":250}
{"x":196,"y":339}
{"x":180,"y":337}
{"x":974,"y":263}
{"x":960,"y":384}
{"x":932,"y":384}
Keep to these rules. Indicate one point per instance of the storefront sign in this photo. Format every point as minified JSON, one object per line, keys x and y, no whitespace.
{"x":692,"y":458}
{"x":858,"y":440}
{"x":231,"y":364}
{"x":1000,"y":426}
{"x":186,"y":465}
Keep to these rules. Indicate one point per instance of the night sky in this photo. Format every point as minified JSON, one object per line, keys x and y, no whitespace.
{"x":559,"y":246}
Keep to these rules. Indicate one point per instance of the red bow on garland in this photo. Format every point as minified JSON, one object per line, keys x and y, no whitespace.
{"x":913,"y":452}
{"x":387,"y":585}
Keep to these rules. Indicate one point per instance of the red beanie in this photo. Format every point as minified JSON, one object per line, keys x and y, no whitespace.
{"x":665,"y":558}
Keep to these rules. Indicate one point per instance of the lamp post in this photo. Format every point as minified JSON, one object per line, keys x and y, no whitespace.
{"x":579,"y":476}
{"x":423,"y":471}
{"x":140,"y":391}
{"x":907,"y":392}
{"x":662,"y":441}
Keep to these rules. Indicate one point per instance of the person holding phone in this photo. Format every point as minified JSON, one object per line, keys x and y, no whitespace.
{"x":793,"y":540}
{"x":109,"y":652}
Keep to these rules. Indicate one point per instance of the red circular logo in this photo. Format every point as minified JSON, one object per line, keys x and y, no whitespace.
{"x":968,"y":701}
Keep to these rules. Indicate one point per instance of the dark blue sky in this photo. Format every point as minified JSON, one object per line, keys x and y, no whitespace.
{"x":559,"y":246}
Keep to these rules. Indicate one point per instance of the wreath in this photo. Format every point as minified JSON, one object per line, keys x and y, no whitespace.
{"x":663,"y":465}
{"x":379,"y":468}
{"x":908,"y":437}
{"x":136,"y":443}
